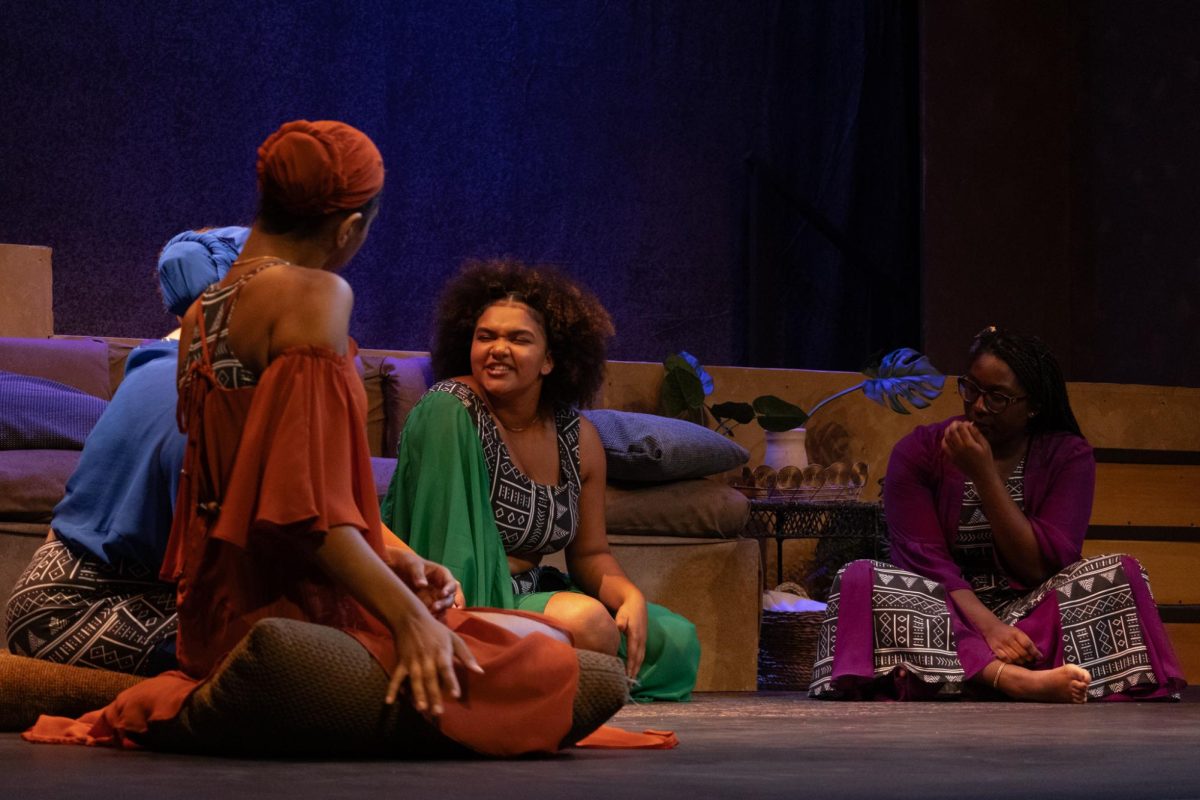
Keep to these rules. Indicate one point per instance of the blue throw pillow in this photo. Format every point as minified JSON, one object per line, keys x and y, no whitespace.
{"x":649,"y":448}
{"x":39,"y":414}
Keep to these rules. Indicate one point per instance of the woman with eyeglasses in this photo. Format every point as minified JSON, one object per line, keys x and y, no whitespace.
{"x":989,"y":592}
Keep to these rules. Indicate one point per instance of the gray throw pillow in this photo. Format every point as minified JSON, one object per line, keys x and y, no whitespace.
{"x":649,"y":448}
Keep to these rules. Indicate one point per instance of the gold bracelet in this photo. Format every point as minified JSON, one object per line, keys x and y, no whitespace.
{"x":996,"y":677}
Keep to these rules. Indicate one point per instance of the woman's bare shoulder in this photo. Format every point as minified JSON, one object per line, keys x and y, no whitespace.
{"x":301,"y":307}
{"x":302,"y":281}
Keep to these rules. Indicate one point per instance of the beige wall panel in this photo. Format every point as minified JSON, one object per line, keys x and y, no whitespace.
{"x":1147,"y":494}
{"x":1138,"y":417}
{"x":1186,"y":639}
{"x":27,"y":299}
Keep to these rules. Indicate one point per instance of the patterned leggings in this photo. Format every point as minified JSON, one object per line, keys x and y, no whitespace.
{"x":79,"y":610}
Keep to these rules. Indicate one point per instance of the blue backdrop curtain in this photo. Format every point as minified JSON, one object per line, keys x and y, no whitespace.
{"x":732,"y":178}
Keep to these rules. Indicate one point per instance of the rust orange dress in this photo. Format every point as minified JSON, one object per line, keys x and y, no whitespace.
{"x":273,"y":462}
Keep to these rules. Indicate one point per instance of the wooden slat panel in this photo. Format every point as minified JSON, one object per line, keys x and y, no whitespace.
{"x":1137,"y":417}
{"x":1173,"y":566}
{"x":1147,"y":494}
{"x":1183,"y":614}
{"x":1117,"y":455}
{"x":1143,"y":533}
{"x":1186,"y":639}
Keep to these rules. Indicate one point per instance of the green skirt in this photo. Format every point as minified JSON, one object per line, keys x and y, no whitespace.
{"x":672,"y":650}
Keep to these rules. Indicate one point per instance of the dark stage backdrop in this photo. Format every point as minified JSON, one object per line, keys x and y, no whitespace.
{"x":1062,"y":182}
{"x":733,"y":178}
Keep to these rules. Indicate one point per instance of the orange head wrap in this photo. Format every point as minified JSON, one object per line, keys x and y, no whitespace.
{"x":313,"y":168}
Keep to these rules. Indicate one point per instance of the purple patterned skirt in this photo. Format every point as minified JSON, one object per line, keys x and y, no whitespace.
{"x":889,"y":633}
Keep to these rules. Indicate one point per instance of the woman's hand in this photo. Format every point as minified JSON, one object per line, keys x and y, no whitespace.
{"x":425,"y":648}
{"x":425,"y":654}
{"x":1011,"y":645}
{"x":632,"y":621}
{"x":431,"y":582}
{"x":966,"y":448}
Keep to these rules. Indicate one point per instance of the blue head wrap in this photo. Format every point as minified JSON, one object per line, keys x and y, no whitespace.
{"x":191,"y":262}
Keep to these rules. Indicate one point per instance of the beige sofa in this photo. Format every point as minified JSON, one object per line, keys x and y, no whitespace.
{"x":678,"y":541}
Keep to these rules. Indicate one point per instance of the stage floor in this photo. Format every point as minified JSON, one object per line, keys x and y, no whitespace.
{"x":731,"y":745}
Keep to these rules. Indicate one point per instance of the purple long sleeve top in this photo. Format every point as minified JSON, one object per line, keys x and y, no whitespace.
{"x":923,"y":501}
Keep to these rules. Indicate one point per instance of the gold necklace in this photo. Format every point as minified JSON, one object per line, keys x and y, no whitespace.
{"x":537,"y":418}
{"x":513,"y":428}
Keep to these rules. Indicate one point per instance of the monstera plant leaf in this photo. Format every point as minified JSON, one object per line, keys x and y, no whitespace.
{"x":903,"y":374}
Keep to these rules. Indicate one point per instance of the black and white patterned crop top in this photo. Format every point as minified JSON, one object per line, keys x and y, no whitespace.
{"x":533,"y":518}
{"x":217,"y":304}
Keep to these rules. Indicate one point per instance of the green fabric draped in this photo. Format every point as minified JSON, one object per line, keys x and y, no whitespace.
{"x":438,"y":501}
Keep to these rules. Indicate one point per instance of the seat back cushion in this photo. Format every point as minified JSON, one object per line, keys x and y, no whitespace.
{"x":79,"y":363}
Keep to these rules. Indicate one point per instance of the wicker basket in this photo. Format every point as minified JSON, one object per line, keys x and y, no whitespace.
{"x":787,"y":648}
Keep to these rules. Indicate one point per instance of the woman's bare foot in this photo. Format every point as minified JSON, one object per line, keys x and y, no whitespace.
{"x":1065,"y":684}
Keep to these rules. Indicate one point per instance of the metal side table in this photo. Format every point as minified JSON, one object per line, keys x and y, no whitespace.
{"x":859,"y":526}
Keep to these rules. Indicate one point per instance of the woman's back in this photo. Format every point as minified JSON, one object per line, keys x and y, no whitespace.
{"x":262,"y":308}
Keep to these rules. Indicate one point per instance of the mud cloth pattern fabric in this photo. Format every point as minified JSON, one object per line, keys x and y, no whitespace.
{"x":79,"y":610}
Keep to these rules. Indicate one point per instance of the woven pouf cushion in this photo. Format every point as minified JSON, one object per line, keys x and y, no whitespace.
{"x":603,"y":689}
{"x":293,"y":688}
{"x":297,"y":689}
{"x":30,"y":686}
{"x":787,"y":647}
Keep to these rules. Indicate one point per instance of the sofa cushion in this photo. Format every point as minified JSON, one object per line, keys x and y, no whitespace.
{"x":80,"y":363}
{"x":36,"y":413}
{"x":383,"y":469}
{"x":696,"y":508}
{"x":33,"y":481}
{"x":373,"y":380}
{"x":646,"y":447}
{"x":405,"y":381}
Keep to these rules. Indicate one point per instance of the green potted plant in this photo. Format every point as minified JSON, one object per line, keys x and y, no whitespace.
{"x":900,"y":376}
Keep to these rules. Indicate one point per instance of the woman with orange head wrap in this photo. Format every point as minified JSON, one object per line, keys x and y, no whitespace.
{"x":277,"y":514}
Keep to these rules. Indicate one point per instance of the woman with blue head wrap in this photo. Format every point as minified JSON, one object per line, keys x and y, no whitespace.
{"x":110,"y":529}
{"x":192,"y":261}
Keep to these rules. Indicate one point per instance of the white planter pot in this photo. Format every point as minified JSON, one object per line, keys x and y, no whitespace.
{"x":785,"y":449}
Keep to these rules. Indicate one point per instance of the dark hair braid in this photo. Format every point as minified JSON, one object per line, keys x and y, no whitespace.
{"x":1038,"y":371}
{"x":576,"y":324}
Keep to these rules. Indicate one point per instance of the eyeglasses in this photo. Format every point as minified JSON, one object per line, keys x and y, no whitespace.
{"x":993,"y":401}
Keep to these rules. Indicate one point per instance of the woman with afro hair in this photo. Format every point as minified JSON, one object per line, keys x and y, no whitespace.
{"x":497,"y":469}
